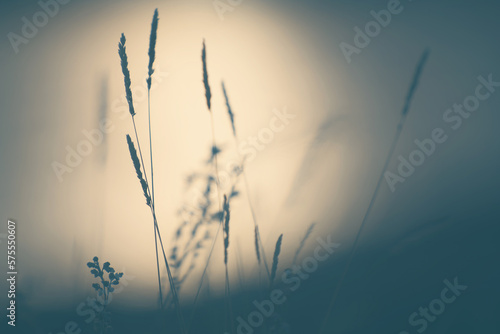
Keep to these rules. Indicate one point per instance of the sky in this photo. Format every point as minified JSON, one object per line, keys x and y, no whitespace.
{"x":276,"y":58}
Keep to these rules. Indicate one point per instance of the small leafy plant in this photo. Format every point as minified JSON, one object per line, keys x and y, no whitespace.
{"x":102,"y":322}
{"x":105,"y":286}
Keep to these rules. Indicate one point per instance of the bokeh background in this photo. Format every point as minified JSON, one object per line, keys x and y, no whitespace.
{"x":274,"y":56}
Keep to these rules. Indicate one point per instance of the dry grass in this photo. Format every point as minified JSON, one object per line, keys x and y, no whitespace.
{"x":257,"y":240}
{"x":139,"y":163}
{"x":411,"y":91}
{"x":223,"y":213}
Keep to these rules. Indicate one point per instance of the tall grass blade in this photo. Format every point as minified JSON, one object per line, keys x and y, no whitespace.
{"x":152,"y":54}
{"x":303,"y":242}
{"x":258,"y":241}
{"x":144,"y":181}
{"x":411,"y":91}
{"x":215,"y":150}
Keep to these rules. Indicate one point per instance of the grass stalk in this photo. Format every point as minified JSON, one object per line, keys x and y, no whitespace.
{"x":226,"y":246}
{"x":208,"y":96}
{"x":258,"y":242}
{"x":147,"y":193}
{"x":303,"y":242}
{"x":404,"y":113}
{"x":138,"y":165}
{"x":152,"y":54}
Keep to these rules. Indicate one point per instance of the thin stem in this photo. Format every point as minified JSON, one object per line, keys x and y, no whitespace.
{"x":214,"y":147}
{"x":216,"y":165}
{"x":170,"y":277}
{"x":252,"y":211}
{"x":195,"y":303}
{"x":153,"y":197}
{"x":238,"y":265}
{"x":153,"y":212}
{"x":151,"y":149}
{"x":404,"y":113}
{"x":368,"y":210}
{"x":158,"y":269}
{"x":247,"y":188}
{"x":229,"y":304}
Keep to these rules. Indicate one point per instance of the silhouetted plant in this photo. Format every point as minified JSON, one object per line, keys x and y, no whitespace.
{"x":201,"y":218}
{"x":138,"y":160}
{"x":152,"y":55}
{"x":404,"y":112}
{"x":198,"y":218}
{"x":257,"y":239}
{"x":104,"y":288}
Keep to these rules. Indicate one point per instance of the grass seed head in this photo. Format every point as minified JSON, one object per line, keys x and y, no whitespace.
{"x":152,"y":46}
{"x":208,"y":94}
{"x":137,"y":166}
